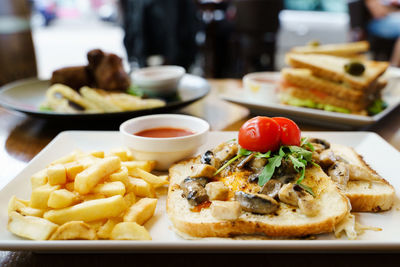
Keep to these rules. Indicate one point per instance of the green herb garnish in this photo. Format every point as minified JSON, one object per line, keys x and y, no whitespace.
{"x":376,"y":107}
{"x":269,"y":169}
{"x":263,"y":155}
{"x":299,"y":156}
{"x":242,"y":152}
{"x":135,"y":91}
{"x":307,"y":188}
{"x":45,"y":108}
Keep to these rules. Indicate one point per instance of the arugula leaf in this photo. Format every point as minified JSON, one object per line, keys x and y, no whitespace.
{"x":135,"y":91}
{"x":376,"y":107}
{"x":282,"y":153}
{"x":227,"y":164}
{"x":304,"y":143}
{"x":45,"y":108}
{"x":297,"y":164}
{"x":269,"y":169}
{"x":307,"y":155}
{"x":263,"y":155}
{"x":315,"y":164}
{"x":307,"y":188}
{"x":244,"y":152}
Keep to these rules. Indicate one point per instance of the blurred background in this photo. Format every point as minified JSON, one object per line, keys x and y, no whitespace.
{"x":210,"y":38}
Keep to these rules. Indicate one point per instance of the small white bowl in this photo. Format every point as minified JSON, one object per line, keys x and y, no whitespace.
{"x":165,"y":151}
{"x":261,"y":85}
{"x":158,"y":81}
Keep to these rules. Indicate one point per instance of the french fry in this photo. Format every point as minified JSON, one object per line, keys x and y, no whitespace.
{"x":121,"y":176}
{"x":30,"y":227}
{"x":22,"y":207}
{"x":130,"y":199}
{"x":40,"y":196}
{"x":87,"y":160}
{"x":95,"y":225}
{"x":105,"y":230}
{"x":110,"y":189}
{"x":39,"y":178}
{"x":141,"y":211}
{"x":147,"y":165}
{"x":155,"y":181}
{"x":89,"y":197}
{"x":68,"y":158}
{"x":97,"y":154}
{"x":72,"y":169}
{"x":74,"y":230}
{"x":129,"y":231}
{"x":61,"y":198}
{"x":123,"y":154}
{"x":56,"y":174}
{"x":69,"y":186}
{"x":88,"y":211}
{"x":85,"y":181}
{"x":140,"y":188}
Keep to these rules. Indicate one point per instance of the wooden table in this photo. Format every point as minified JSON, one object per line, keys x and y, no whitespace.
{"x":22,"y":137}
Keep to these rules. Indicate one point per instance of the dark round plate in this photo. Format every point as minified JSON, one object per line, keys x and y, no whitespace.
{"x":27,"y":95}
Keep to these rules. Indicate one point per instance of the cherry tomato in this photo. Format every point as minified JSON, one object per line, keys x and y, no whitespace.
{"x":290,"y":132}
{"x":260,"y":134}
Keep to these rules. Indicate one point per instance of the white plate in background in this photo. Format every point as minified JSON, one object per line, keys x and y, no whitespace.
{"x":376,"y":152}
{"x":268,"y":103}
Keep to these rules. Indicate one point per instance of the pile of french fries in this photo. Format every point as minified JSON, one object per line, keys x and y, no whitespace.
{"x":88,"y":196}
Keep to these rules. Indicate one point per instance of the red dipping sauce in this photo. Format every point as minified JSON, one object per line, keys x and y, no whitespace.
{"x":164,"y":132}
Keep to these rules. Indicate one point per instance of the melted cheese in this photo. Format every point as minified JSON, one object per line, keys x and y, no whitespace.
{"x":238,"y":181}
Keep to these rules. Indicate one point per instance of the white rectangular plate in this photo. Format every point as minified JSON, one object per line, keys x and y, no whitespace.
{"x":379,"y":154}
{"x":268,"y":103}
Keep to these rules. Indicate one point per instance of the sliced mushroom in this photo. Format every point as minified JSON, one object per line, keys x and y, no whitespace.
{"x":319,"y":144}
{"x":202,"y":170}
{"x":208,"y":158}
{"x":253,"y":178}
{"x":285,"y":173}
{"x":245,"y":161}
{"x":295,"y":195}
{"x":271,"y":188}
{"x":339,"y":173}
{"x":327,"y":158}
{"x":225,"y":151}
{"x":256,"y":203}
{"x":288,"y":195}
{"x":194,"y":191}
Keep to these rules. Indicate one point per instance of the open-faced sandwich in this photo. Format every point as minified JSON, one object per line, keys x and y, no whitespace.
{"x":269,"y":182}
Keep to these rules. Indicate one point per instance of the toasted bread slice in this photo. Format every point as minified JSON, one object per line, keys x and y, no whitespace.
{"x":322,"y":98}
{"x":303,"y":78}
{"x":373,"y":195}
{"x":332,"y":68}
{"x":341,"y":50}
{"x":287,"y":221}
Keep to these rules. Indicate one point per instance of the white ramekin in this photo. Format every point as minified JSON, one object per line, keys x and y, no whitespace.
{"x":165,"y":151}
{"x":261,"y":85}
{"x":158,"y":81}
